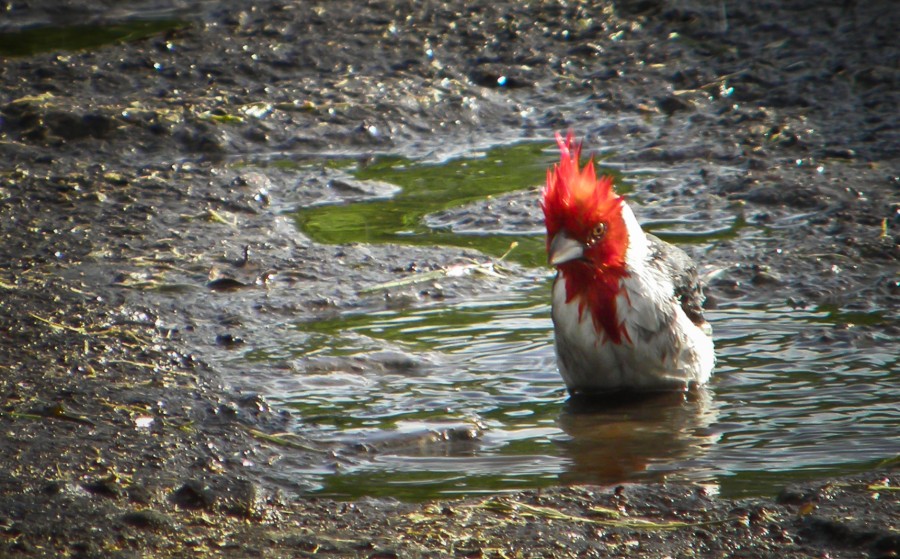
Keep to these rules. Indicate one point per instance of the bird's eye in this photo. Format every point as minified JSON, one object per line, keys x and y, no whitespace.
{"x":597,"y":232}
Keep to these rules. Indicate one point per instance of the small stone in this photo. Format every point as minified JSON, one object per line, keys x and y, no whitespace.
{"x":194,"y":494}
{"x":671,"y":105}
{"x":149,"y":519}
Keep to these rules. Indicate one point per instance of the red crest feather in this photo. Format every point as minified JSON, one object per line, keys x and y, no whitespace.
{"x":574,"y":198}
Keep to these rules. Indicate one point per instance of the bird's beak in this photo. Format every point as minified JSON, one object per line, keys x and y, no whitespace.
{"x":564,"y":248}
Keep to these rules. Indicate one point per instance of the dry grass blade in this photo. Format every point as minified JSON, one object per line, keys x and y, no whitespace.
{"x":715,"y":83}
{"x":110,"y":331}
{"x":489,"y":268}
{"x":280,"y":441}
{"x":221,"y":217}
{"x":62,"y":327}
{"x":882,"y":487}
{"x":536,"y":511}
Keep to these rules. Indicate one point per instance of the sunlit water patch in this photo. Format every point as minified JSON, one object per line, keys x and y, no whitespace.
{"x":46,"y":38}
{"x":464,"y":398}
{"x":428,"y":189}
{"x":476,"y":202}
{"x":461,"y":397}
{"x":802,"y":395}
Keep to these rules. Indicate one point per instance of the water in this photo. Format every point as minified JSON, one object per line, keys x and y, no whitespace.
{"x":429,"y":189}
{"x":462,"y":397}
{"x":781,"y":406}
{"x":49,"y":38}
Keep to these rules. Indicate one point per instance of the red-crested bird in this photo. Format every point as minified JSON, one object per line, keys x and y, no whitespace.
{"x":627,"y":306}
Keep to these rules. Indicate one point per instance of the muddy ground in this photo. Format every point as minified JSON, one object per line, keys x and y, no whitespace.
{"x":119,"y":167}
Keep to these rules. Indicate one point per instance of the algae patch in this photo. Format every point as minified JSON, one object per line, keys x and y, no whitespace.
{"x":428,"y":188}
{"x":47,"y":38}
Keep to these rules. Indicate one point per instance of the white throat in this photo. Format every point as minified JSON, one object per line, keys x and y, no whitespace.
{"x":638,"y":246}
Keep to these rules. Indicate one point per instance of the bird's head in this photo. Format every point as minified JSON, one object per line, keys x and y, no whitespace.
{"x":583,"y":215}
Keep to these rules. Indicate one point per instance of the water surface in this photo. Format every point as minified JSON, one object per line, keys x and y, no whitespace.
{"x":462,"y":397}
{"x":52,"y":38}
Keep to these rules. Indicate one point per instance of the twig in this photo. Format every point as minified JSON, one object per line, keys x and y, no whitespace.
{"x":458,"y":270}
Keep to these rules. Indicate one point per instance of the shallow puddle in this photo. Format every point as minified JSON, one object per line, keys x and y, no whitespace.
{"x":464,"y":398}
{"x":49,"y":38}
{"x":427,"y":189}
{"x":460,"y":397}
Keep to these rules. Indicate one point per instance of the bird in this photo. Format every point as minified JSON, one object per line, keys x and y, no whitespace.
{"x":627,"y":307}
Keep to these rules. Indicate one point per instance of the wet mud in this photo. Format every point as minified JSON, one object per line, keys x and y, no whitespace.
{"x":144,"y":233}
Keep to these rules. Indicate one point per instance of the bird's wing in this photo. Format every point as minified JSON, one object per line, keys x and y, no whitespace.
{"x":685,"y":279}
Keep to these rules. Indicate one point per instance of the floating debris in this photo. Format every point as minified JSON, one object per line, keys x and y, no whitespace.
{"x":490,"y":268}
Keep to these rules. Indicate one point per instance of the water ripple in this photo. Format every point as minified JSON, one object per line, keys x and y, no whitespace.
{"x":785,"y":399}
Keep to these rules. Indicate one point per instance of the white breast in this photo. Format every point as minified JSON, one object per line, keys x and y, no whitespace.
{"x":664,"y":350}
